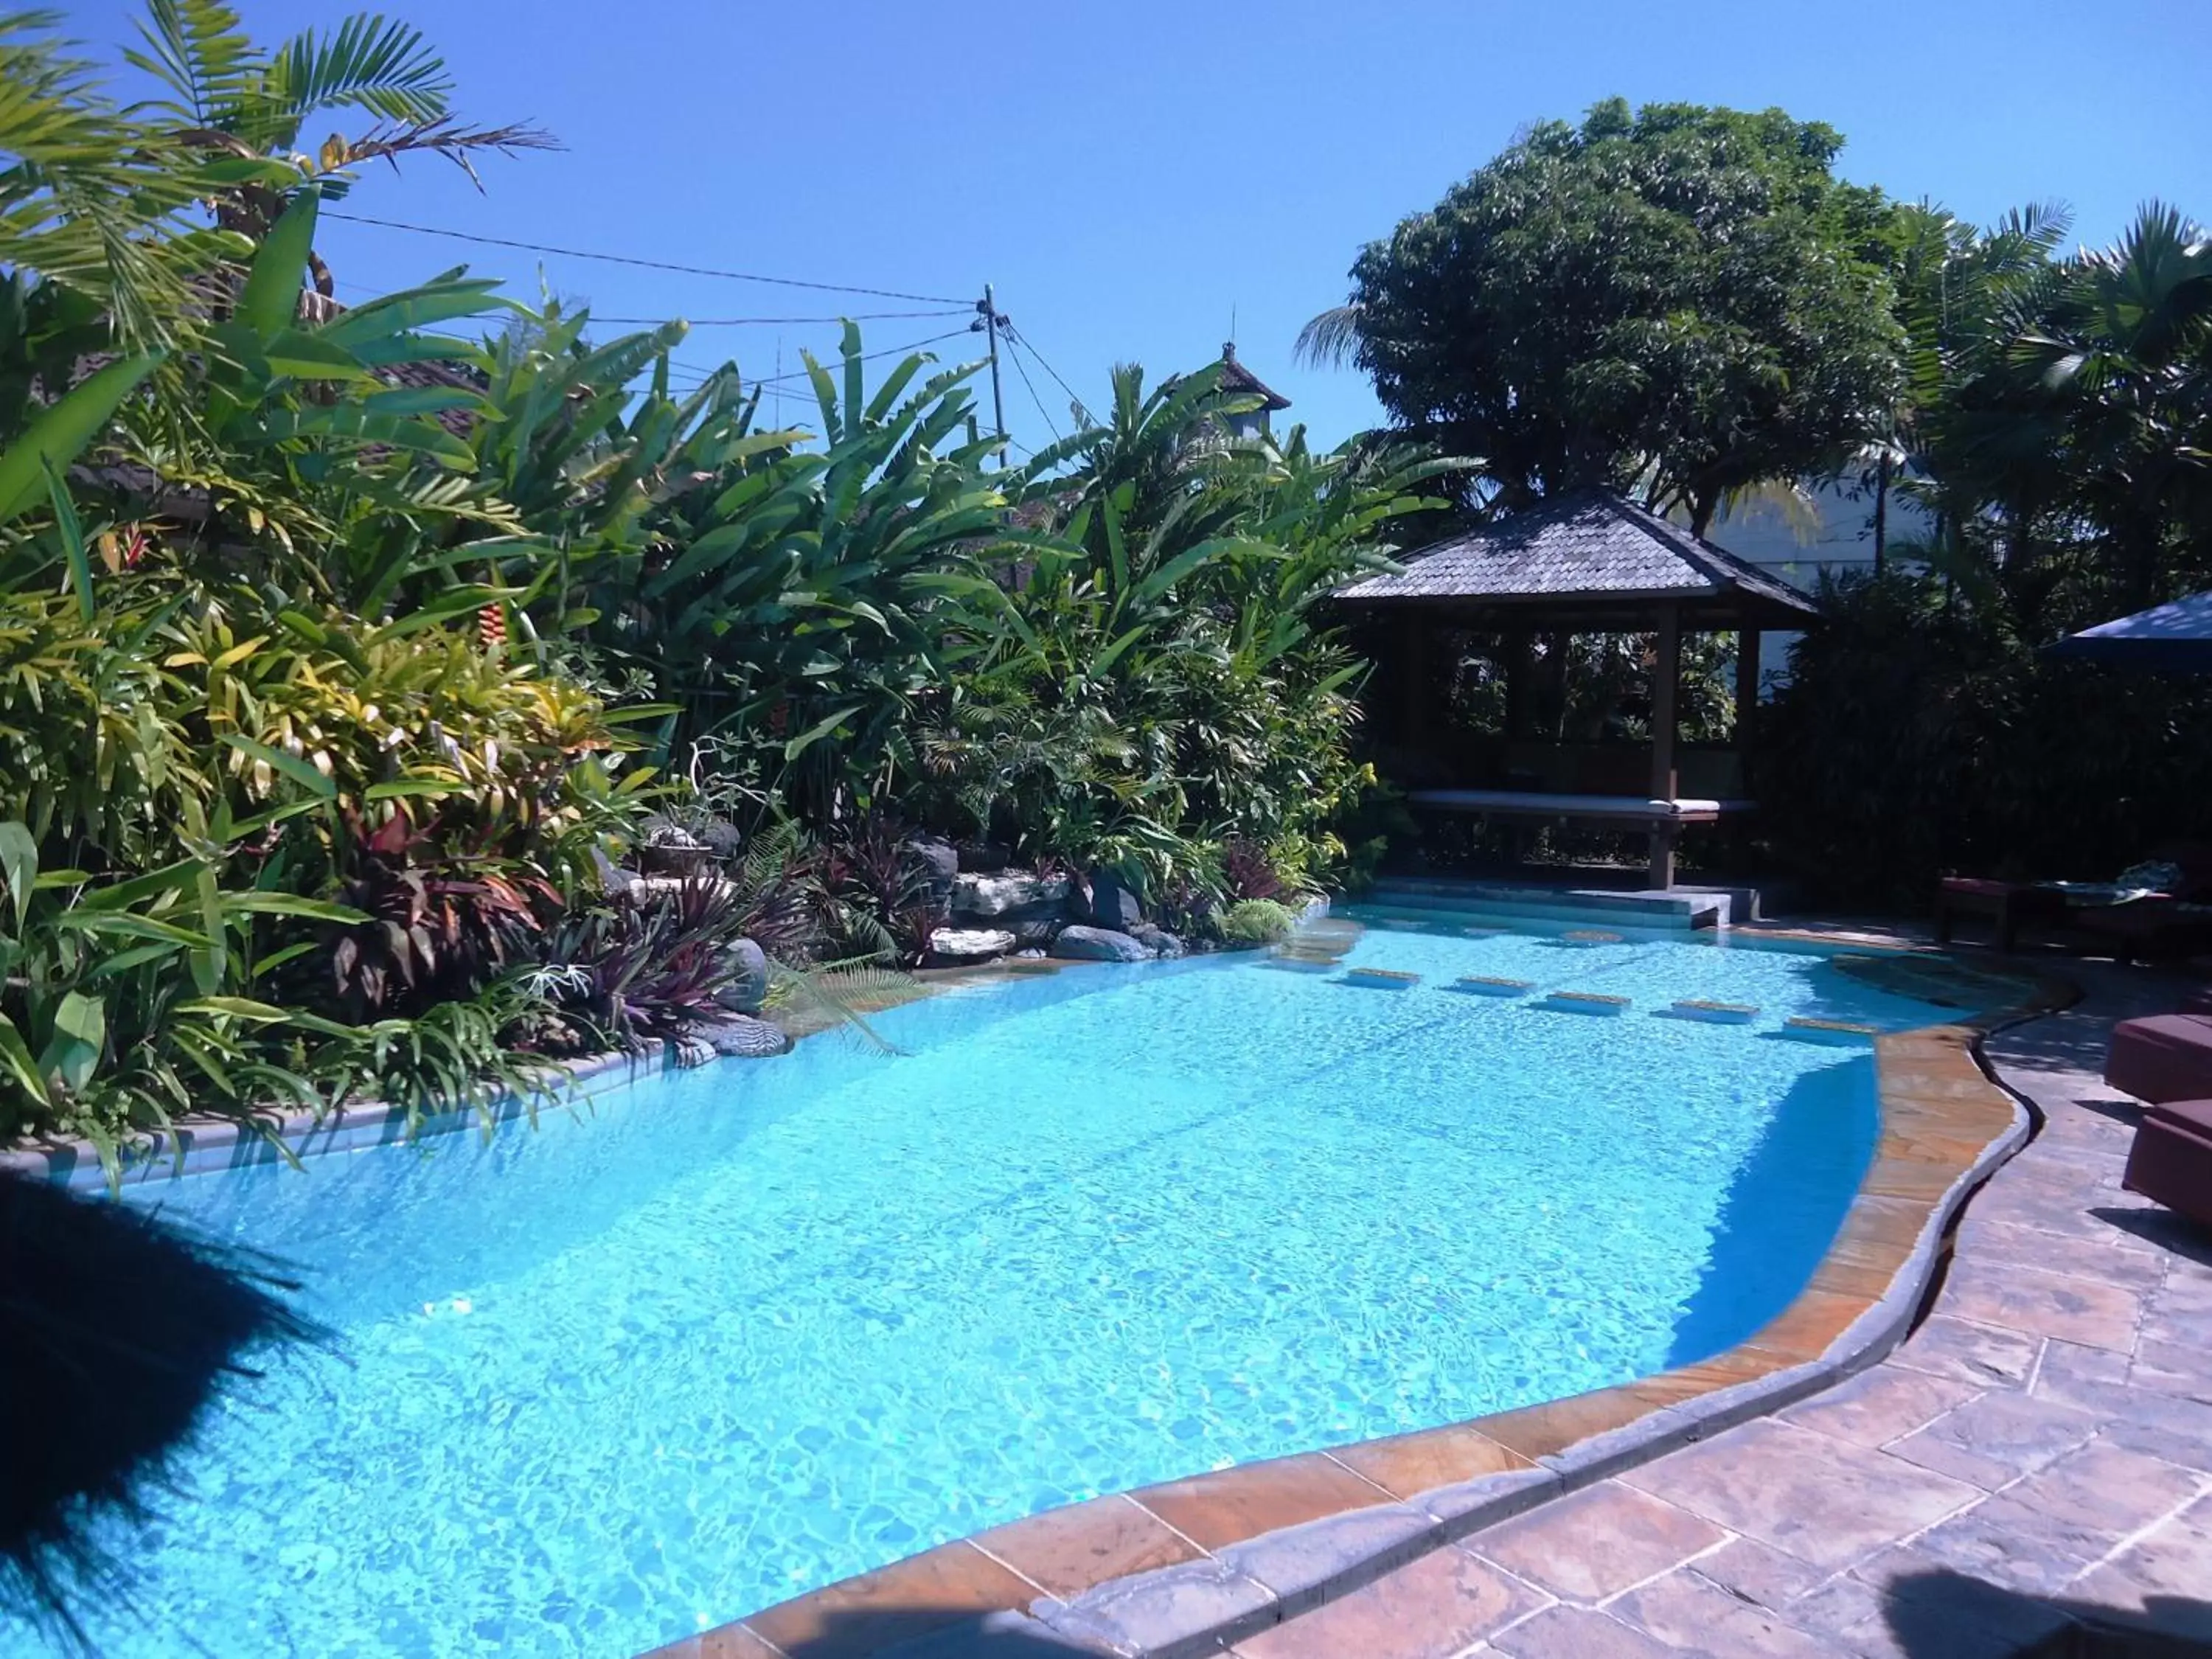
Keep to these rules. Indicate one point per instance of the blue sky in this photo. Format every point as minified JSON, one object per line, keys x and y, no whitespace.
{"x":1131,"y":176}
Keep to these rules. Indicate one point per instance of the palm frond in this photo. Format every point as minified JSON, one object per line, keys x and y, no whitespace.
{"x":1330,"y":340}
{"x":369,"y":63}
{"x":445,"y":137}
{"x":200,"y":50}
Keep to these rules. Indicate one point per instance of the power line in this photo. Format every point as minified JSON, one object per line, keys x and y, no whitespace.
{"x":1012,"y":339}
{"x":647,"y":264}
{"x":761,"y":322}
{"x":1079,"y":408}
{"x":865,"y":357}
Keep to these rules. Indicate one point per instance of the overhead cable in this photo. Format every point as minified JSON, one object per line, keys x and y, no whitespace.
{"x":1083,"y":412}
{"x":647,"y":264}
{"x":1015,"y":353}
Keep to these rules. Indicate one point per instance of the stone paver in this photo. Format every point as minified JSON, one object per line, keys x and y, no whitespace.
{"x":1885,"y":1404}
{"x":1581,"y":1633}
{"x":1431,"y":1608}
{"x":2036,"y":1457}
{"x":1825,"y":1501}
{"x":1592,"y":1543}
{"x":1995,"y":1440}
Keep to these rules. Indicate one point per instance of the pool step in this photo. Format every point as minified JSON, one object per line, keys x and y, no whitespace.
{"x":1678,"y":908}
{"x":1484,"y":985}
{"x":1381,"y":979}
{"x":1584,"y":1002}
{"x":1589,"y":936}
{"x":1828,"y":1030}
{"x":1714,"y":1013}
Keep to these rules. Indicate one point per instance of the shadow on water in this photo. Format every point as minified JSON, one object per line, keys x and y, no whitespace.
{"x":119,"y":1332}
{"x":1783,"y":1209}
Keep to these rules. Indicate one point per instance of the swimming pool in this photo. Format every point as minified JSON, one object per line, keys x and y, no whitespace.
{"x":732,"y":1334}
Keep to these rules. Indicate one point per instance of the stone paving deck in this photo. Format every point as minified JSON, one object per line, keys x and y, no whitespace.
{"x":2030,"y":1474}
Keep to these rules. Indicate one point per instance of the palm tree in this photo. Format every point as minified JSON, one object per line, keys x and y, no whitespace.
{"x":229,"y":96}
{"x":2123,"y":356}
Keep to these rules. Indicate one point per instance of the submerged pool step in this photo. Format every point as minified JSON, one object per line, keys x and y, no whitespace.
{"x":1713,"y":1013}
{"x":1484,"y":984}
{"x":1806,"y":1028}
{"x":1381,"y":979}
{"x":1584,"y":1002}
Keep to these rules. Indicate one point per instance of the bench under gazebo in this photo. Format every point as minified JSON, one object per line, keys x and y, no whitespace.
{"x":1586,"y":564}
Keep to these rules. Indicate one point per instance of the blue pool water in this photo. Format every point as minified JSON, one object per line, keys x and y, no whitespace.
{"x":735,"y":1332}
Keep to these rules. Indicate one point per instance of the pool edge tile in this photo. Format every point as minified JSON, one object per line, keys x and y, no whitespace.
{"x":899,"y":1602}
{"x":1068,"y":1551}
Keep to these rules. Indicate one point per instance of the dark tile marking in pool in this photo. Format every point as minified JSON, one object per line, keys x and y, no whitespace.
{"x":1323,"y":1524}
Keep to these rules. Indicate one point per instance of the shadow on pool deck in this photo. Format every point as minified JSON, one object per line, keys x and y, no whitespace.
{"x":1944,"y":1614}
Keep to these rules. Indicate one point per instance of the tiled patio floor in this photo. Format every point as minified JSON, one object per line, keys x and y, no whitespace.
{"x":2030,"y":1474}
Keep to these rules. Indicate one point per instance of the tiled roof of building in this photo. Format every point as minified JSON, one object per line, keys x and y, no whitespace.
{"x":1590,"y":548}
{"x":1242,"y":382}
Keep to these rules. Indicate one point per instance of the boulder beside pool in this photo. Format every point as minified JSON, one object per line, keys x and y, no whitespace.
{"x":1082,"y":944}
{"x":738,"y":1037}
{"x":748,"y":984}
{"x":957,"y":947}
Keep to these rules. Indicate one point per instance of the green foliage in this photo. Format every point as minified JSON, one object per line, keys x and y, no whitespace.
{"x":1152,"y":676}
{"x":1683,"y":300}
{"x":1256,"y":922}
{"x":1917,"y":735}
{"x":344,"y":663}
{"x":2058,"y":434}
{"x":121,"y":1000}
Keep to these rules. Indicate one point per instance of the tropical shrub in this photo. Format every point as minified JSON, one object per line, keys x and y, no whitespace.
{"x":877,"y":894}
{"x":646,"y":965}
{"x":1257,"y":921}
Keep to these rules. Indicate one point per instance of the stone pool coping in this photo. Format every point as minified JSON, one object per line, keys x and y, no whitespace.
{"x":1187,"y":1566}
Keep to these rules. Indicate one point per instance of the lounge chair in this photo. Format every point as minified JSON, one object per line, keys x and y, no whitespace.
{"x":2161,"y":928}
{"x":2164,"y":1057}
{"x":2159,"y":908}
{"x":2171,"y":1161}
{"x":2165,"y":1060}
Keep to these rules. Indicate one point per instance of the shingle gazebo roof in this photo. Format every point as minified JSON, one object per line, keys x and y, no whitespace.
{"x":1597,"y":553}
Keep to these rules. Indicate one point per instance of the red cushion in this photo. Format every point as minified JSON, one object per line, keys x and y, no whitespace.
{"x":2194,"y":1115}
{"x":1982,"y":886}
{"x":2166,"y":1057}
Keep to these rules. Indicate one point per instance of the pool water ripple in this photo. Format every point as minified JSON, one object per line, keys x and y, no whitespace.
{"x":732,"y":1334}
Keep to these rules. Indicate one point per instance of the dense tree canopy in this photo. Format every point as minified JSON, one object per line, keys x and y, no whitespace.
{"x":1682,"y":299}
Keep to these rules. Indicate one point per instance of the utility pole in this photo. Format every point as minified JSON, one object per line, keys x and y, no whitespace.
{"x":991,"y":321}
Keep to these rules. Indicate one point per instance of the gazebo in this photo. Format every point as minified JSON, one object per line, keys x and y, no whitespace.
{"x":1584,"y":564}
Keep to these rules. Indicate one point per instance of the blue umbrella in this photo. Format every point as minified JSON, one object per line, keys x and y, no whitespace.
{"x":2176,"y":638}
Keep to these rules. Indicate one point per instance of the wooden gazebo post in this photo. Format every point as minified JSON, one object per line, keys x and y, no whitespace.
{"x":1665,"y":681}
{"x":1747,"y":681}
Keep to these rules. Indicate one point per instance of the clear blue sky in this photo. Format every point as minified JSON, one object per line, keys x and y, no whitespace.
{"x":1129,"y":175}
